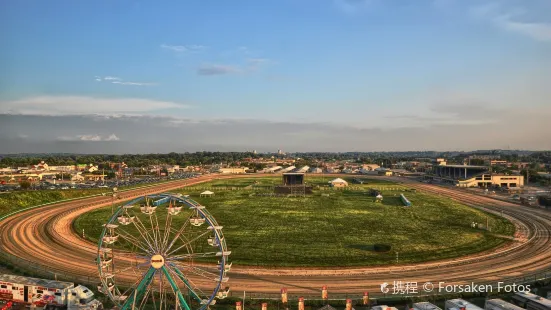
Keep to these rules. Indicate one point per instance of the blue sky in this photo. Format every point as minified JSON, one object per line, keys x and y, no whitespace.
{"x":383,"y":64}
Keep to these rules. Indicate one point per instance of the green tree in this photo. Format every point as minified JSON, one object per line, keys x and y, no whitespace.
{"x":25,"y":185}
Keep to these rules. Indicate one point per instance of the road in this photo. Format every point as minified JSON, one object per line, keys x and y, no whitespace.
{"x":44,"y":237}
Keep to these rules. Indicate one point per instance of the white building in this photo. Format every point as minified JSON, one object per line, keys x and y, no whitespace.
{"x":233,"y":170}
{"x":316,"y":170}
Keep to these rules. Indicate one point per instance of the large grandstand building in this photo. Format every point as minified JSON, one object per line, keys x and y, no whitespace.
{"x":474,"y":176}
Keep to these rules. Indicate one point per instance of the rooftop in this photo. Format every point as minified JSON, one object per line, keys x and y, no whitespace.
{"x":34,"y":281}
{"x":464,"y":166}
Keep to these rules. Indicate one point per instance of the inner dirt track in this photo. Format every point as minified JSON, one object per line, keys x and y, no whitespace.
{"x":42,"y":239}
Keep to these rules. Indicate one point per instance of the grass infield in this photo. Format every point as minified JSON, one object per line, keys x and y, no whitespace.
{"x":334,"y":227}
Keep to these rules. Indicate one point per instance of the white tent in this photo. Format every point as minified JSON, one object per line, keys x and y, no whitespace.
{"x":206,"y":193}
{"x":338,"y":182}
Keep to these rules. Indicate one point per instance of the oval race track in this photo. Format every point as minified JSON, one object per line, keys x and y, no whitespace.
{"x":44,"y":236}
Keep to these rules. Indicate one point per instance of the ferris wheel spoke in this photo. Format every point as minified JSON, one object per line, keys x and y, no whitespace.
{"x":155,"y":238}
{"x":180,"y":297}
{"x":168,"y":225}
{"x":130,"y":288}
{"x":140,"y":289}
{"x":134,"y":241}
{"x":123,"y":270}
{"x":179,"y":232}
{"x":192,"y":288}
{"x":189,"y":242}
{"x":193,"y":255}
{"x":159,"y":238}
{"x":138,"y":224}
{"x":201,"y":272}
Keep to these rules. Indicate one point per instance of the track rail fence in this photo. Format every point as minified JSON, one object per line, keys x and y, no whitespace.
{"x":92,"y":280}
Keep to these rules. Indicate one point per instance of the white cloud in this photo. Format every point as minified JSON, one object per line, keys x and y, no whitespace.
{"x":251,"y":65}
{"x":90,"y":137}
{"x":183,"y":48}
{"x":133,"y":83}
{"x":537,"y":31}
{"x":175,"y":48}
{"x":119,"y":81}
{"x":112,"y":137}
{"x":80,"y":105}
{"x":511,"y":20}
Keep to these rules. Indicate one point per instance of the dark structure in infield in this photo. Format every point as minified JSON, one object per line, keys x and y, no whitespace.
{"x":293,"y":184}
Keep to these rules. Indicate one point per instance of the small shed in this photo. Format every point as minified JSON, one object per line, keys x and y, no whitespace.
{"x":206,"y":194}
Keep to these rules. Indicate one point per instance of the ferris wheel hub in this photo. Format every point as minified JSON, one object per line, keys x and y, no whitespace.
{"x":157,"y":261}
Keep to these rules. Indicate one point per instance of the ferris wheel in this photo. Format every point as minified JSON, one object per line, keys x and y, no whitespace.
{"x":165,"y":251}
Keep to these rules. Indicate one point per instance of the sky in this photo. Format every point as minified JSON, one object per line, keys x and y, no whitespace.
{"x":126,"y":76}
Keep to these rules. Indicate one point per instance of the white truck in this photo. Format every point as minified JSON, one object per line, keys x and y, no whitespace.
{"x":46,"y":294}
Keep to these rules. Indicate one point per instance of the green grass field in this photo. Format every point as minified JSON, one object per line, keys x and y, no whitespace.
{"x":14,"y":201}
{"x":335,"y":227}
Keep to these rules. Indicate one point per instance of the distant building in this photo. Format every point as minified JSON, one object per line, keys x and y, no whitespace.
{"x":316,"y":170}
{"x":272,"y":169}
{"x":370,"y":167}
{"x":93,"y":177}
{"x":77,"y":177}
{"x":233,"y":170}
{"x":288,"y":169}
{"x":41,"y":166}
{"x":475,"y":176}
{"x":338,"y":182}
